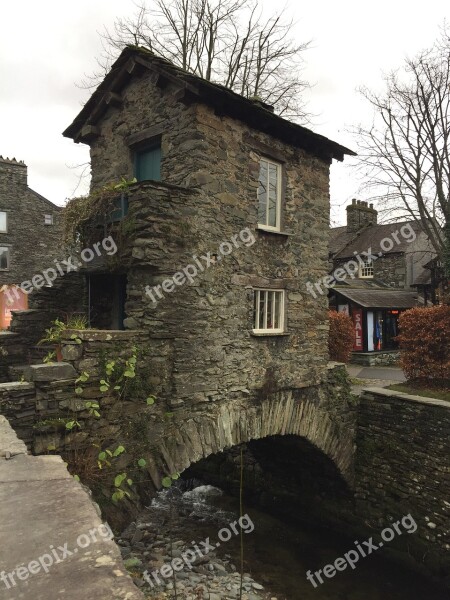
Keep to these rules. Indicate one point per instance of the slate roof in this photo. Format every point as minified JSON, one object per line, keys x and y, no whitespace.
{"x":423,"y":279}
{"x":344,"y":244}
{"x":364,"y":283}
{"x":379,"y":298}
{"x":258,"y":115}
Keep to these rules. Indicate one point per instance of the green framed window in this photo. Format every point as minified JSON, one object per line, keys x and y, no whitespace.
{"x":147,"y":163}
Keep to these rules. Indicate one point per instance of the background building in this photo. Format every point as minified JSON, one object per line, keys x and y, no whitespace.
{"x":391,"y":273}
{"x":30,"y":233}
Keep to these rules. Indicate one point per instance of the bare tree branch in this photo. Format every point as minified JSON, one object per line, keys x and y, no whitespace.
{"x":404,"y":156}
{"x":225,"y":41}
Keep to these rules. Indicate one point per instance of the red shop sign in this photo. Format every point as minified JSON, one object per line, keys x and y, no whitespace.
{"x":357,"y":315}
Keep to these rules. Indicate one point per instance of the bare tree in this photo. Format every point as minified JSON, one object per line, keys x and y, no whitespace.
{"x":224,"y":41}
{"x":405,"y":155}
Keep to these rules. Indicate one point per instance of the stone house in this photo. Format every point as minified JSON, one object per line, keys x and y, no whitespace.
{"x":30,"y":233}
{"x":227,"y":221}
{"x":385,"y":272}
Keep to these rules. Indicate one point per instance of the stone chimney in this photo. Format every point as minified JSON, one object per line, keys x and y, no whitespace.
{"x":359,"y":215}
{"x":13,"y":172}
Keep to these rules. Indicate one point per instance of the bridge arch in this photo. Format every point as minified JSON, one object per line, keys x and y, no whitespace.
{"x":193,"y":438}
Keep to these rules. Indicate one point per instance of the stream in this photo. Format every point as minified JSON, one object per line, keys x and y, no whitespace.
{"x":277,"y":554}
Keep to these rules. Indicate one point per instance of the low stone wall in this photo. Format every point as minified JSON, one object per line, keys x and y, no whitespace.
{"x":370,"y":359}
{"x":18,"y":405}
{"x":11,"y":353}
{"x":402,"y":466}
{"x":45,"y":393}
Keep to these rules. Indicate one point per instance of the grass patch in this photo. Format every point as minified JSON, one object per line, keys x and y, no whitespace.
{"x":356,"y":381}
{"x":421,"y":390}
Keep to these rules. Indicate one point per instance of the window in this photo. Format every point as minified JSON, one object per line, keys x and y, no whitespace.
{"x":4,"y":258}
{"x":148,"y":163}
{"x":3,"y":222}
{"x":268,"y":314}
{"x":366,"y":269}
{"x":48,"y":219}
{"x":119,"y":211}
{"x":269,"y":194}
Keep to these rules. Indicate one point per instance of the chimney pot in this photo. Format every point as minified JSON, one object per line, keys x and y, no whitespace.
{"x":360,"y":215}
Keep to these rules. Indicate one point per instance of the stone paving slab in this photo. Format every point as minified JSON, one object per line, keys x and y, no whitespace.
{"x":50,"y":527}
{"x":386,"y":373}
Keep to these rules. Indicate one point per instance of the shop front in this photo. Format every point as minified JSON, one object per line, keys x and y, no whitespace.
{"x":375,"y":315}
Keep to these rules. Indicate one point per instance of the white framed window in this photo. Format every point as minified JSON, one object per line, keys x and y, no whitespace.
{"x":269,"y":194}
{"x":366,"y":269}
{"x":4,"y":258}
{"x":48,"y":219}
{"x":3,"y":222}
{"x":268,"y":311}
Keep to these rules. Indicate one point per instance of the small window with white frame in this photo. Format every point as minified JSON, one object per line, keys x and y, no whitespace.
{"x":366,"y":269}
{"x":4,"y":258}
{"x":48,"y":219}
{"x":269,"y":195}
{"x":3,"y":222}
{"x":268,"y":311}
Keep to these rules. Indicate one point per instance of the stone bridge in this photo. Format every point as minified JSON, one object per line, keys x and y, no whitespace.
{"x":322,"y":414}
{"x":392,"y":450}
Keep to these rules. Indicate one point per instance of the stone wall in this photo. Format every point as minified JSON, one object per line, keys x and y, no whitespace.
{"x":11,"y":353}
{"x":18,"y":405}
{"x":388,"y":358}
{"x":391,"y":270}
{"x":402,"y":466}
{"x":33,"y":245}
{"x":204,"y":348}
{"x":67,"y":295}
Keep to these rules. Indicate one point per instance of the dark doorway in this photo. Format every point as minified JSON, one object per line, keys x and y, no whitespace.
{"x":107,"y":295}
{"x":391,"y":329}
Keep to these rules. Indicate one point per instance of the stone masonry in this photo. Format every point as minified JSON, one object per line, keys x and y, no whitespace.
{"x":324,"y":415}
{"x":402,"y":466}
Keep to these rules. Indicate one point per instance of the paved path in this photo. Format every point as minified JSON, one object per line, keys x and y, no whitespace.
{"x":53,"y":544}
{"x":374,"y":376}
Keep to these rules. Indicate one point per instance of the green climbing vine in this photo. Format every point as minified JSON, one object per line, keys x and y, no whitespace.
{"x":83,"y":215}
{"x":103,"y":466}
{"x":115,"y":378}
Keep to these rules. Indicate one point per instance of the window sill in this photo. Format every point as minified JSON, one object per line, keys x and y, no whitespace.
{"x":275,"y":231}
{"x":267,"y":334}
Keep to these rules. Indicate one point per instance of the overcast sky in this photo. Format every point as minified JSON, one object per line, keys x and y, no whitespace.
{"x":47,"y":46}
